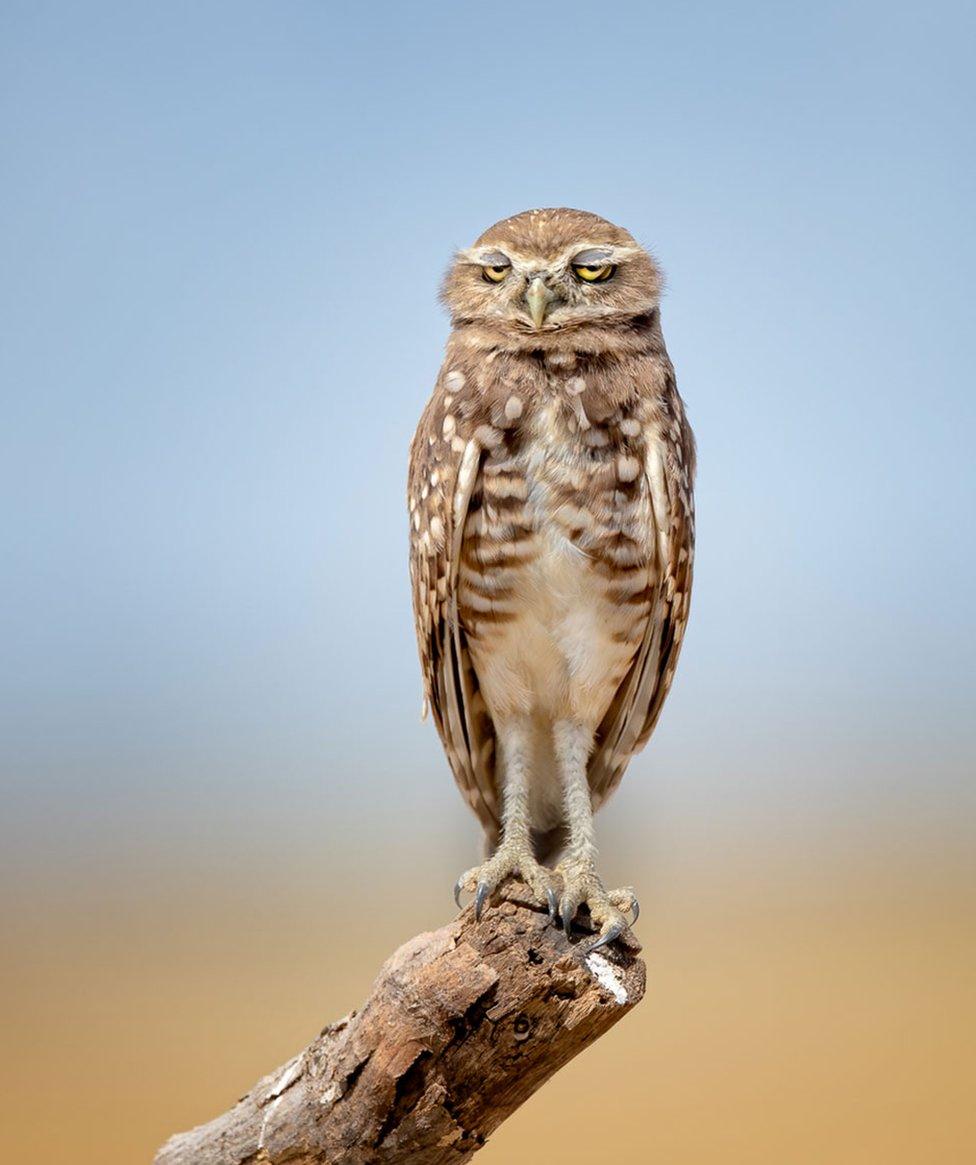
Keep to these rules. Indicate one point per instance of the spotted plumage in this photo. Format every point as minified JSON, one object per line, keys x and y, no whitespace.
{"x":552,"y":533}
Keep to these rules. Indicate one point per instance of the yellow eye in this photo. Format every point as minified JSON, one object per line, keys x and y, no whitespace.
{"x":593,"y":274}
{"x":495,"y":274}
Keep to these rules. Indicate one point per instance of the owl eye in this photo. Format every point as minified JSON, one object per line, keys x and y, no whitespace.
{"x":497,"y":273}
{"x":593,"y":274}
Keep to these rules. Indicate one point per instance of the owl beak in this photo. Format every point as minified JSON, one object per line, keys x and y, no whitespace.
{"x":538,"y":297}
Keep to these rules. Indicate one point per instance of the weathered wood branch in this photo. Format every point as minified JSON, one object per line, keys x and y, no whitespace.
{"x":463,"y":1024}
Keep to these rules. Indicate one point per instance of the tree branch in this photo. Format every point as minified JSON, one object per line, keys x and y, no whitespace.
{"x":463,"y":1024}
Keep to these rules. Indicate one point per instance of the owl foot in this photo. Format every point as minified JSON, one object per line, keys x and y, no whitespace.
{"x":508,"y":861}
{"x":608,"y":908}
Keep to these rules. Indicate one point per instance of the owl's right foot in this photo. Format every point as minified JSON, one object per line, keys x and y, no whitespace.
{"x":509,"y":861}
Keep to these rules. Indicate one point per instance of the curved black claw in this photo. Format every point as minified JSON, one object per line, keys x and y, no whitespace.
{"x":612,"y":935}
{"x":553,"y":905}
{"x":567,"y":916}
{"x":458,"y":887}
{"x":636,"y":912}
{"x":480,"y":897}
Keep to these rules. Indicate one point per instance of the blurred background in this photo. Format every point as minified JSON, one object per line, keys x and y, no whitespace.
{"x":223,"y":229}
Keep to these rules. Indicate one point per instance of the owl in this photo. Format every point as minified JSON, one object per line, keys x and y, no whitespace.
{"x":551,"y":540}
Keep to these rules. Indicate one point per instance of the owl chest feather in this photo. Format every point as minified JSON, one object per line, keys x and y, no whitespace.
{"x":557,"y":570}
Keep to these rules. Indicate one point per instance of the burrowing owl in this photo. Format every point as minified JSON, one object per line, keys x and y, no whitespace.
{"x":551,"y":523}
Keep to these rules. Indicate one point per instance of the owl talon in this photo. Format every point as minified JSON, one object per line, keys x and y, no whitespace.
{"x":625,"y":901}
{"x":611,"y":934}
{"x":608,"y":909}
{"x":480,"y":896}
{"x":566,"y":913}
{"x":511,"y":862}
{"x":553,"y":905}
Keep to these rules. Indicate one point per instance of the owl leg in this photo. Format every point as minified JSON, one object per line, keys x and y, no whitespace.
{"x":581,"y":883}
{"x":514,"y":856}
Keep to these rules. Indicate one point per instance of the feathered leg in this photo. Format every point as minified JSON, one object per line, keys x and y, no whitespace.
{"x":581,"y":883}
{"x":514,"y":856}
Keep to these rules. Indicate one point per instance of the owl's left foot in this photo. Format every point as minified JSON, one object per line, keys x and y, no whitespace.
{"x":608,"y":908}
{"x":509,"y":861}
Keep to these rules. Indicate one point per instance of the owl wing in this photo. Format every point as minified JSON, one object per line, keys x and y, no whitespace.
{"x":634,"y":710}
{"x":444,"y":469}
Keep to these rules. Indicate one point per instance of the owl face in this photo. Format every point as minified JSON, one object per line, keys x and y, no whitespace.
{"x":551,"y":271}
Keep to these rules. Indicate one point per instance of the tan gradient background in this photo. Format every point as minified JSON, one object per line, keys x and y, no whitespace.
{"x":813,"y":1008}
{"x":223,"y":227}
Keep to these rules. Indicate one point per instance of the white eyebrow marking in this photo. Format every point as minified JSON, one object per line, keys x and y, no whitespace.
{"x":612,"y":252}
{"x":484,"y":257}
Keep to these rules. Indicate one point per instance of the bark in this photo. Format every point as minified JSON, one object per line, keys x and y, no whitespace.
{"x":462,"y":1025}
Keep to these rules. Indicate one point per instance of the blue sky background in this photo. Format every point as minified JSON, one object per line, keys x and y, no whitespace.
{"x":223,"y":228}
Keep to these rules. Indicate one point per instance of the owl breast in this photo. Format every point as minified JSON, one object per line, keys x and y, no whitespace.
{"x":557,"y":576}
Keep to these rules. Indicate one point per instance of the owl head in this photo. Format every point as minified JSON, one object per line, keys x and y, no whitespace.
{"x":545,"y":272}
